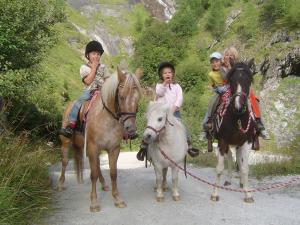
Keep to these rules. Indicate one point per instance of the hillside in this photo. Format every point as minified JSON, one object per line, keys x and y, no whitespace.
{"x":118,"y":24}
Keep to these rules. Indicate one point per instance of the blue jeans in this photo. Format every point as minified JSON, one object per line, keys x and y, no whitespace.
{"x":188,"y":135}
{"x":86,"y":95}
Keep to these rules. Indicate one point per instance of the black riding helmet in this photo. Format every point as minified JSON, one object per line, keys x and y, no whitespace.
{"x":93,"y":46}
{"x":163,"y":65}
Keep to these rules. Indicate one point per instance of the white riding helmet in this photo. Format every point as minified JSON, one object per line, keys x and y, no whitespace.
{"x":215,"y":55}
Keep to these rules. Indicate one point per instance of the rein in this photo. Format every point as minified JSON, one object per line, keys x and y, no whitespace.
{"x":118,"y":115}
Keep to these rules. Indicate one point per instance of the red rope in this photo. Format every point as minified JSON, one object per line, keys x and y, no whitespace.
{"x":272,"y":186}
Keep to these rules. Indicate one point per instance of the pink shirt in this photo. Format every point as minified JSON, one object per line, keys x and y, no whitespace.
{"x":171,"y":95}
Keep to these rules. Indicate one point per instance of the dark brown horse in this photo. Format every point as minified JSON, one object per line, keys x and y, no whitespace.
{"x":111,"y":115}
{"x":234,"y":125}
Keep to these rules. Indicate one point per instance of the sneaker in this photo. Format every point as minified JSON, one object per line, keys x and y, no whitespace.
{"x":66,"y":131}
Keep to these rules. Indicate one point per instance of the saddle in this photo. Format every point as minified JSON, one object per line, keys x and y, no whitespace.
{"x":83,"y":113}
{"x":217,"y":119}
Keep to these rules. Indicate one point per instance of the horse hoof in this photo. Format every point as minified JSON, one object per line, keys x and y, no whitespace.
{"x":214,"y":198}
{"x":227,"y":183}
{"x":105,"y":188}
{"x":241,"y":185}
{"x":120,"y":205}
{"x":176,"y":198}
{"x":165,"y":189}
{"x":60,"y":188}
{"x":249,"y":200}
{"x":160,"y":199}
{"x":95,"y":208}
{"x":155,"y":189}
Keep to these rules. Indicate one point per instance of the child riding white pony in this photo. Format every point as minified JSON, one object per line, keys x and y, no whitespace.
{"x":165,"y":132}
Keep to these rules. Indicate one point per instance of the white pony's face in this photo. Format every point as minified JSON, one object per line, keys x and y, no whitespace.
{"x":156,"y":121}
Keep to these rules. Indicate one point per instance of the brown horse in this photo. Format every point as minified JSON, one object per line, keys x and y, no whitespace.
{"x":112,"y":115}
{"x":235,"y":126}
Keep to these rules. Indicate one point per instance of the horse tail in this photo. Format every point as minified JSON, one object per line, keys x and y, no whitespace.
{"x":85,"y":140}
{"x":79,"y":164}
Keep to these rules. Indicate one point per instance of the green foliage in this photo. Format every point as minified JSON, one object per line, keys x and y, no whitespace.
{"x":191,"y":72}
{"x":157,"y":43}
{"x":24,"y":183}
{"x":216,"y":19}
{"x":184,"y":23}
{"x":278,"y":13}
{"x":26,"y":30}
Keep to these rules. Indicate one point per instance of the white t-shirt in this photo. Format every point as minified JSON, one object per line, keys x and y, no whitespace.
{"x":99,"y":78}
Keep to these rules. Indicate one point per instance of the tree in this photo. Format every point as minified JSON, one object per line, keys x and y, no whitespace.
{"x":26,"y":30}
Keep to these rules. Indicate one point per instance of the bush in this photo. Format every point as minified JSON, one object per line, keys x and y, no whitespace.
{"x":278,"y":13}
{"x":157,"y":43}
{"x":191,"y":73}
{"x":26,"y":30}
{"x":216,"y":19}
{"x":24,"y":185}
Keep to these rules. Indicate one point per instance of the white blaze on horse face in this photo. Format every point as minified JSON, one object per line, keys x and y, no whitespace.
{"x":238,"y":98}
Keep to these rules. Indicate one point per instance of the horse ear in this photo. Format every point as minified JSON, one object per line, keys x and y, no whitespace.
{"x":251,"y":65}
{"x":139,"y":72}
{"x":231,"y":62}
{"x":121,"y":75}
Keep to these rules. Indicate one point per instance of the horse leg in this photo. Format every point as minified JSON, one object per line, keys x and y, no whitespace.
{"x":165,"y":185}
{"x":94,"y":160}
{"x":176,"y":196}
{"x":101,"y":178}
{"x":219,"y":170}
{"x":229,"y":169}
{"x":113,"y":158}
{"x":159,"y":180}
{"x":245,"y":149}
{"x":64,"y":150}
{"x":239,"y":161}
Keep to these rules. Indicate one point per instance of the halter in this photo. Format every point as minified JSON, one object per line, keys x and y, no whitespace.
{"x":244,"y":107}
{"x":119,"y":114}
{"x":158,"y":132}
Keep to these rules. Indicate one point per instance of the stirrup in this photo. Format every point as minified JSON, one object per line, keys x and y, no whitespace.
{"x":66,"y":132}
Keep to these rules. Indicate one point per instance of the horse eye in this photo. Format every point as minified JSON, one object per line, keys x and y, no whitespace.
{"x":160,"y":119}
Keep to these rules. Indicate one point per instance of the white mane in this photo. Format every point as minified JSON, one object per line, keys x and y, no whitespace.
{"x":110,"y":85}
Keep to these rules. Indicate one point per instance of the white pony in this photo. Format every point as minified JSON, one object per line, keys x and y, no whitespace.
{"x":165,"y":132}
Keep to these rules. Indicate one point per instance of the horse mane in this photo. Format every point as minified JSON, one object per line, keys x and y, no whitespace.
{"x":110,"y":87}
{"x":239,"y":66}
{"x":111,"y":84}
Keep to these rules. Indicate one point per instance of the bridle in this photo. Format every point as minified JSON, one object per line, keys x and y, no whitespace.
{"x":244,"y":106}
{"x":122,"y":117}
{"x":158,"y":132}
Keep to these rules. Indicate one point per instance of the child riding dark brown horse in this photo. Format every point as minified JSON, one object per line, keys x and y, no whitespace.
{"x":235,"y":125}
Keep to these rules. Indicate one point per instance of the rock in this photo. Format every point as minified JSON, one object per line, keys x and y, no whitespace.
{"x":274,"y":68}
{"x":231,"y":17}
{"x":280,"y":36}
{"x":160,"y":9}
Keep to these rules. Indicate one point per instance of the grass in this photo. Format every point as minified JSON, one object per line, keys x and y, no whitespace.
{"x":24,"y":185}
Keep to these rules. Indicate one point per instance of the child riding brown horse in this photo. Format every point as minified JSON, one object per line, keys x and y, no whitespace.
{"x":235,"y":125}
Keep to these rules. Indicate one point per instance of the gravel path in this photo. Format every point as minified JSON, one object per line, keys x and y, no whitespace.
{"x":278,"y":207}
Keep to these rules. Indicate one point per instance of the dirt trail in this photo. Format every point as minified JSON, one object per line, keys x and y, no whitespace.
{"x":278,"y":207}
